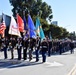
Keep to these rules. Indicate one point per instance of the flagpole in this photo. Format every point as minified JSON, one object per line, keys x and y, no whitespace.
{"x":11,"y":45}
{"x":30,"y":51}
{"x":16,"y":19}
{"x":28,"y":37}
{"x":24,"y":31}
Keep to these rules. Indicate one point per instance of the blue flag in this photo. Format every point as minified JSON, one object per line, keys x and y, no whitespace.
{"x":25,"y":24}
{"x":30,"y":23}
{"x":31,"y":27}
{"x":32,"y":34}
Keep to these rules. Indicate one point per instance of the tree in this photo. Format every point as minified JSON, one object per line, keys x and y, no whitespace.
{"x":58,"y":32}
{"x":65,"y":33}
{"x":33,"y":6}
{"x":46,"y":10}
{"x":37,"y":7}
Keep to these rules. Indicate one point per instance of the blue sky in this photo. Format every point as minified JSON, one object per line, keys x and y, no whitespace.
{"x":64,"y":11}
{"x":5,"y":7}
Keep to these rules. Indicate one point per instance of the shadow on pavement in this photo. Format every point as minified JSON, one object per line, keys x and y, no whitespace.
{"x":23,"y":64}
{"x":7,"y":63}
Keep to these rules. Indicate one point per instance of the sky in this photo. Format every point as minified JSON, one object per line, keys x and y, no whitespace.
{"x":64,"y":11}
{"x":5,"y":7}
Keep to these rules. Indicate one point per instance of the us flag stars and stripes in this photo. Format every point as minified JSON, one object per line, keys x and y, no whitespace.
{"x":2,"y":27}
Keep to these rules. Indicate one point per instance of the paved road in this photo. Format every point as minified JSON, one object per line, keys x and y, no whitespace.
{"x":64,"y":64}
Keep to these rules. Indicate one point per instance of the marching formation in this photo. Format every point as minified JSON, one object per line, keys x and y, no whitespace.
{"x":28,"y":46}
{"x":29,"y":42}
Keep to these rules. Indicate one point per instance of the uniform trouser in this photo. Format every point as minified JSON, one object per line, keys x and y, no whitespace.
{"x":44,"y":56}
{"x":72,"y":51}
{"x":19,"y":54}
{"x":5,"y":53}
{"x":60,"y":51}
{"x":49,"y":51}
{"x":30,"y":54}
{"x":25,"y":54}
{"x":37,"y":55}
{"x":12,"y":55}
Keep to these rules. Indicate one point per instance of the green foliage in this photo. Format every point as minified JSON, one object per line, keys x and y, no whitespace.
{"x":41,"y":9}
{"x":58,"y":32}
{"x":33,"y":7}
{"x":65,"y":33}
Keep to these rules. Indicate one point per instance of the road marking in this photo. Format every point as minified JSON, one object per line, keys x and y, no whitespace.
{"x":73,"y":71}
{"x":53,"y":64}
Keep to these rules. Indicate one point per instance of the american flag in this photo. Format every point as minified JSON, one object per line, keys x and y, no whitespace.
{"x":2,"y":26}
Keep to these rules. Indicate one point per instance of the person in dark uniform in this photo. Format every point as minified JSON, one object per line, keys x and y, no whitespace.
{"x":44,"y":46}
{"x":0,"y":43}
{"x":25,"y":46}
{"x":31,"y":45}
{"x":5,"y":45}
{"x":72,"y":47}
{"x":19,"y":49}
{"x":5,"y":50}
{"x":12,"y":45}
{"x":50,"y":47}
{"x":60,"y":47}
{"x":37,"y":48}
